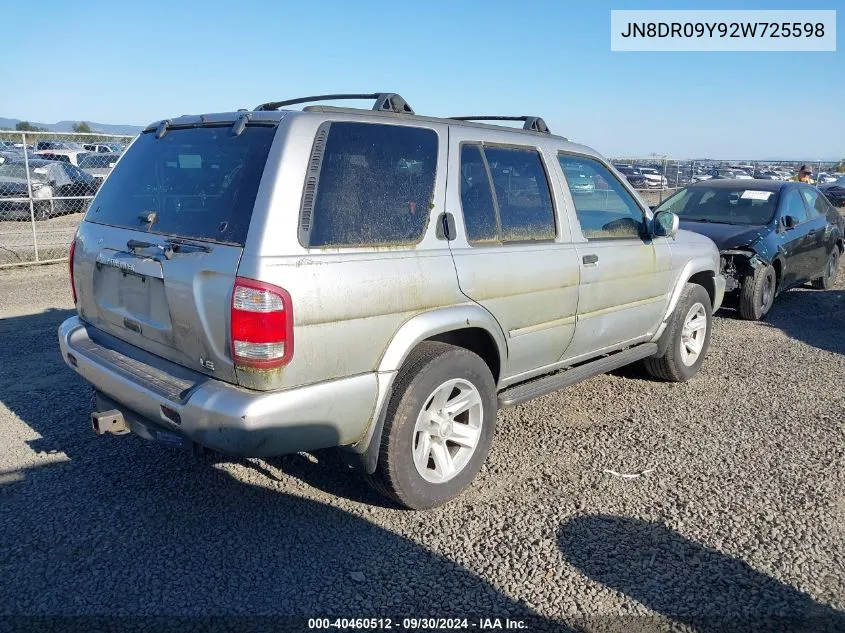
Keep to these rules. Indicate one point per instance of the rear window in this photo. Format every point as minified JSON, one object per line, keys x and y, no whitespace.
{"x":201,"y":183}
{"x":374,"y":185}
{"x":98,"y":161}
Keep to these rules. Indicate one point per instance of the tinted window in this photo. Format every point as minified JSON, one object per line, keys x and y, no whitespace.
{"x":726,"y":205}
{"x":522,"y":194}
{"x":376,"y":185}
{"x":793,"y":205}
{"x":200,"y":182}
{"x":606,"y":211}
{"x":477,"y":197}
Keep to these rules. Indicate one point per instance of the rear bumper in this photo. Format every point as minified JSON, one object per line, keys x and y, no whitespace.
{"x":218,"y":415}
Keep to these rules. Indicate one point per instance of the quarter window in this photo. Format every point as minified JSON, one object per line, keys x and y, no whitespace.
{"x":375,"y":186}
{"x":518,"y":206}
{"x":604,"y":207}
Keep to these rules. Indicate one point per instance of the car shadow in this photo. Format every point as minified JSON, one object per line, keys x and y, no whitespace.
{"x":815,"y":317}
{"x":688,"y":582}
{"x":123,"y":529}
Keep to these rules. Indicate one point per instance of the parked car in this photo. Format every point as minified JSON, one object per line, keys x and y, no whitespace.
{"x":10,"y":155}
{"x":54,"y":145}
{"x":368,"y":305}
{"x":823,"y":178}
{"x":654,"y":179}
{"x":7,"y":145}
{"x":52,"y":182}
{"x":633,"y":175}
{"x":71,"y":156}
{"x":729,"y":174}
{"x":98,"y":165}
{"x":766,"y":174}
{"x":104,"y":148}
{"x":835,"y":191}
{"x":772,"y":236}
{"x":579,"y":181}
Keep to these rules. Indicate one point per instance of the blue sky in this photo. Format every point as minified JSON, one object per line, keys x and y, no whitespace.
{"x":550,"y":58}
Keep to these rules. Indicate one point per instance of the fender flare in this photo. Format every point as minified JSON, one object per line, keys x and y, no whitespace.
{"x":407,"y":337}
{"x":692,"y":267}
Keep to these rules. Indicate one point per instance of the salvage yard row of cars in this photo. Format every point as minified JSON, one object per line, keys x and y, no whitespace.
{"x":64,"y":175}
{"x":390,"y":280}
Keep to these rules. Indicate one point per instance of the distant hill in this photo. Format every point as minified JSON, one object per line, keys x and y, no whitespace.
{"x":67,"y":126}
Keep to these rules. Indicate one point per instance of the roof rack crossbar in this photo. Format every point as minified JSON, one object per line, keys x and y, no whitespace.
{"x":384,"y":101}
{"x":533,"y":123}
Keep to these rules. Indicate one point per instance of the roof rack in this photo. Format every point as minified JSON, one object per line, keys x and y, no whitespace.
{"x":384,"y":101}
{"x":533,"y":123}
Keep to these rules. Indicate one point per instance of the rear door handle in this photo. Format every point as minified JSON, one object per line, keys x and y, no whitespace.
{"x":590,"y":259}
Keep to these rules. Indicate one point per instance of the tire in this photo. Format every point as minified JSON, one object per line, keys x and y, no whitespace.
{"x":427,"y":373}
{"x":757,"y":293}
{"x":825,"y":282}
{"x":689,"y":328}
{"x":42,"y":211}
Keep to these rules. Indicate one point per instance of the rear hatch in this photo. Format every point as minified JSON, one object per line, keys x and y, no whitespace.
{"x":157,"y":255}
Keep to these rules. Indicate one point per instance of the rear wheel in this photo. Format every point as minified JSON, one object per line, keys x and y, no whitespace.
{"x":829,"y":275}
{"x":688,"y":335}
{"x":439,"y":426}
{"x":758,"y":293}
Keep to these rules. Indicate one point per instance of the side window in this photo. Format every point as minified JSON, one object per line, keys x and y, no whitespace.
{"x":793,"y":205}
{"x":375,"y":185}
{"x":610,"y":213}
{"x":522,"y":194}
{"x":477,"y":198}
{"x":811,"y":197}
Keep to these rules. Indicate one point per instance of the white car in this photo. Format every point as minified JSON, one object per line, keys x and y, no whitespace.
{"x":823,"y":178}
{"x":72,"y":156}
{"x":654,"y":179}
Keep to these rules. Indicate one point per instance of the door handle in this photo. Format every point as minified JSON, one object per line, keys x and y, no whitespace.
{"x":811,"y":232}
{"x":590,"y":259}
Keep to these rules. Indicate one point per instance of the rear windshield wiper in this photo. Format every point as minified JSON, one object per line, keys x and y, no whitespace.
{"x":180,"y":245}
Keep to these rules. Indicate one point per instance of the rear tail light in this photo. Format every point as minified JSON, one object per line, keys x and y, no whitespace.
{"x":70,"y":268}
{"x":262,"y":325}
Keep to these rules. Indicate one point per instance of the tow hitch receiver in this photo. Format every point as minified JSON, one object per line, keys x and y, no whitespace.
{"x":110,"y":421}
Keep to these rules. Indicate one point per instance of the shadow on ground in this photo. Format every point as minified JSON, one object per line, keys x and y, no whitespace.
{"x":129,"y":528}
{"x":686,"y":581}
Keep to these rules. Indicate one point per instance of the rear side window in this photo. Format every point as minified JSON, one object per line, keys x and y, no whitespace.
{"x":201,"y":183}
{"x":794,"y":206}
{"x":368,"y":184}
{"x":521,"y":209}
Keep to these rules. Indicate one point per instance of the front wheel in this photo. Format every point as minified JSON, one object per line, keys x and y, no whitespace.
{"x":757,"y":293}
{"x":688,"y":335}
{"x":439,"y":426}
{"x":825,"y":282}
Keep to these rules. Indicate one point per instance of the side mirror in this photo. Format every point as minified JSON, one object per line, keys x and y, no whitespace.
{"x":665,"y":224}
{"x":789,"y":222}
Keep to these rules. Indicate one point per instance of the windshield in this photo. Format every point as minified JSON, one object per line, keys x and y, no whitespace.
{"x":726,"y":205}
{"x":197,"y":183}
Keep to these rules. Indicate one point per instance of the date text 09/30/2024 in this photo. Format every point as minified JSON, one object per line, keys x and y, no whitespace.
{"x":410,"y":624}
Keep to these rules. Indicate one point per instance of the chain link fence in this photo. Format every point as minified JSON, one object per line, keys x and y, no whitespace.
{"x":47,"y":181}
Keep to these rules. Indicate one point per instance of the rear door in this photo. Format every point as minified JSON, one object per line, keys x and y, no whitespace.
{"x":158,"y":252}
{"x":511,"y":255}
{"x":817,"y":236}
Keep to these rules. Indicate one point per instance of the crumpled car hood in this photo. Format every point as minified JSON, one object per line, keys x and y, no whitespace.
{"x":728,"y":236}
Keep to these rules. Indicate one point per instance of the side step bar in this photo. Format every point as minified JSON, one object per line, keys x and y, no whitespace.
{"x":537,"y":387}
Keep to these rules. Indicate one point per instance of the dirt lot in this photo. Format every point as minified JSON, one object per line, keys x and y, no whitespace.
{"x":53,"y":236}
{"x":737,"y":517}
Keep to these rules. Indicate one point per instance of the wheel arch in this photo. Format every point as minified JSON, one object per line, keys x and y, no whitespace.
{"x":469,"y":326}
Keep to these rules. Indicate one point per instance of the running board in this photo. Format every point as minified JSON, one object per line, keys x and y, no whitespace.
{"x":525,"y":391}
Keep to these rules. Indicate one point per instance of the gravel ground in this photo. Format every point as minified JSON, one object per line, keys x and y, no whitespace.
{"x":53,"y":238}
{"x":738,"y":515}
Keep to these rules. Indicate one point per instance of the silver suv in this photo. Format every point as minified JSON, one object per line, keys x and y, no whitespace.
{"x":274,"y":281}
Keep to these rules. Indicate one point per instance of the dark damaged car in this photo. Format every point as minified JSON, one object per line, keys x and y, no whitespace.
{"x":772,"y":236}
